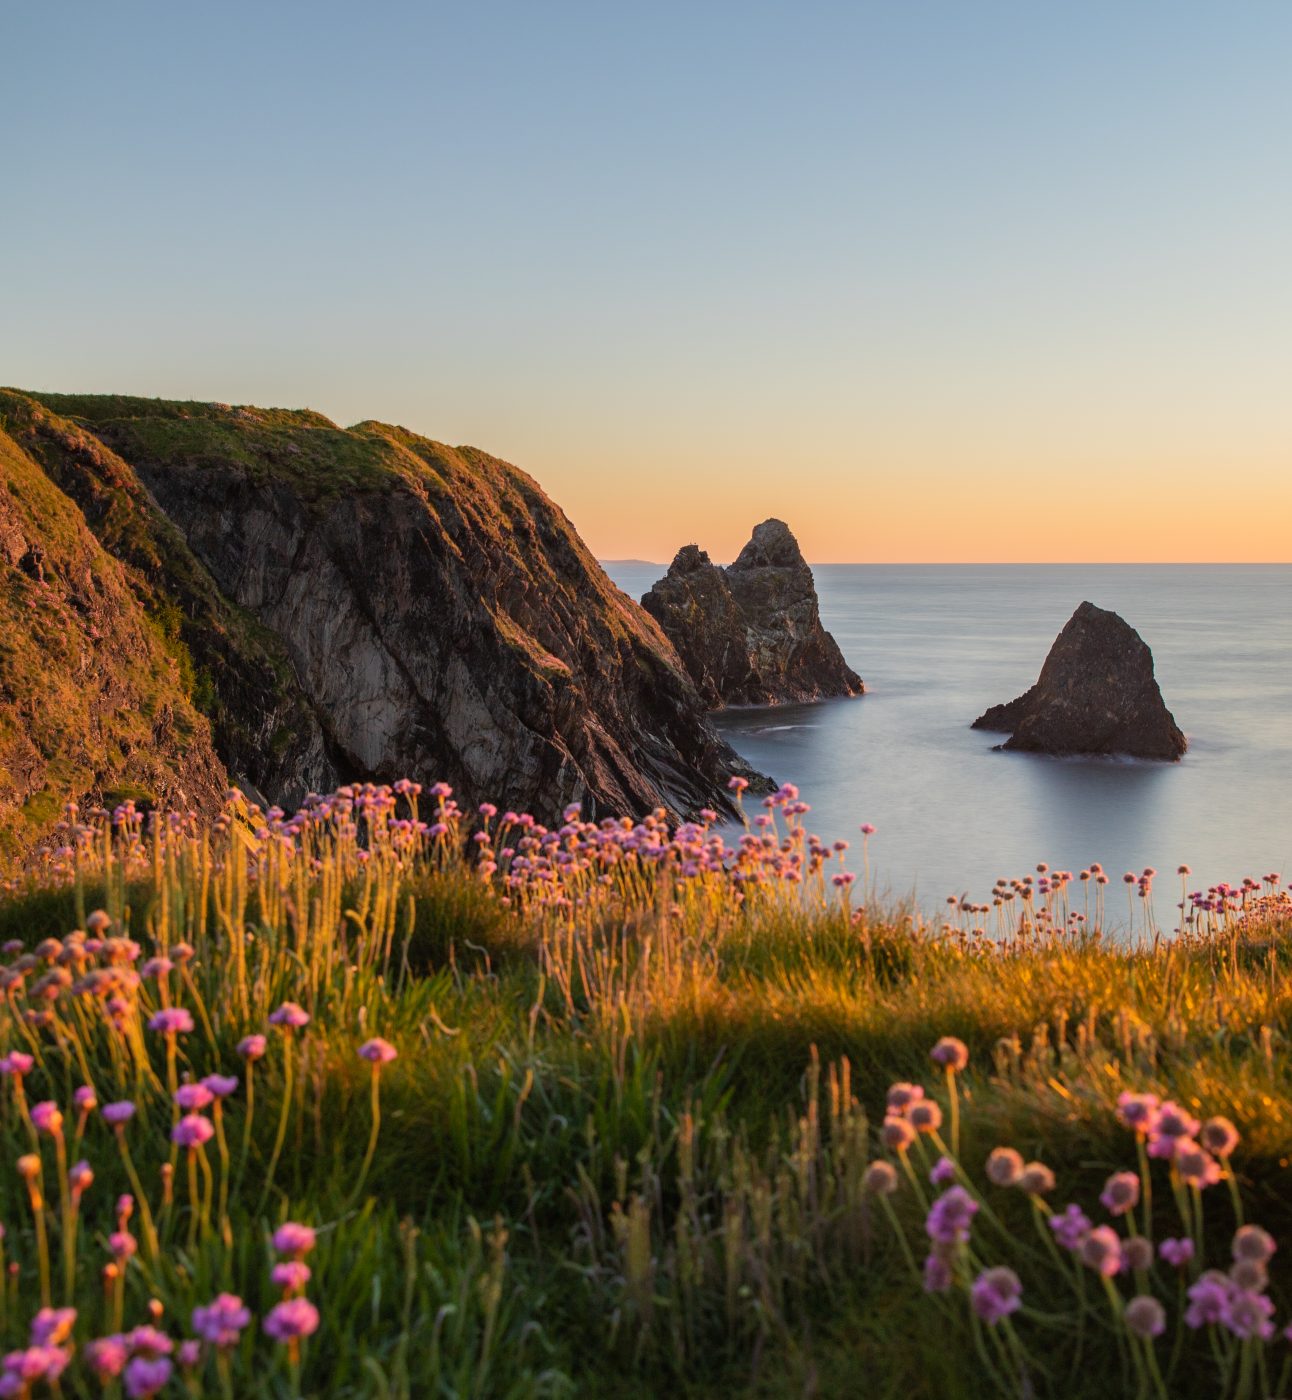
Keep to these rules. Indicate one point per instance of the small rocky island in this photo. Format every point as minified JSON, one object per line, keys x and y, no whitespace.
{"x":1096,"y":695}
{"x":751,"y":633}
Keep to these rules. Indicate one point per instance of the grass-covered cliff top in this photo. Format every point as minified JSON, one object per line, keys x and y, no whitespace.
{"x":633,"y":1137}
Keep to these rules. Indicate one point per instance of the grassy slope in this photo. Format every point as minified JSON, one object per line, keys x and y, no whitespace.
{"x":92,"y":701}
{"x":667,"y":1145}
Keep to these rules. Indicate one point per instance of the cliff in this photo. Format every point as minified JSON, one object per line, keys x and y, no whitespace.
{"x":1096,"y":694}
{"x":367,"y":603}
{"x":751,"y":634}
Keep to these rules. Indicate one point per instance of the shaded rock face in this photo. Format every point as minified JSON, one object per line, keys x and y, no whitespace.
{"x":751,"y":634}
{"x":1096,"y":694}
{"x":438,"y":615}
{"x":93,"y":704}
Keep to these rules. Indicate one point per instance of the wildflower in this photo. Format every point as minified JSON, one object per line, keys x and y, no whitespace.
{"x":1071,"y":1227}
{"x":292,"y":1319}
{"x":118,"y":1114}
{"x":866,"y":829}
{"x":36,"y":1363}
{"x":1219,"y":1136}
{"x":1004,"y":1166}
{"x":291,"y":1275}
{"x":951,"y":1216}
{"x":149,"y":1340}
{"x":1037,"y":1179}
{"x":106,"y":1357}
{"x":1137,"y":1254}
{"x":377,"y":1051}
{"x":293,"y":1239}
{"x":1138,"y":1111}
{"x":1208,"y":1300}
{"x":1120,"y":1193}
{"x":81,"y":1177}
{"x":290,"y":1016}
{"x":191,"y":1097}
{"x":189,"y":1354}
{"x":880,"y":1179}
{"x":1145,"y":1317}
{"x":145,"y":1376}
{"x":85,"y":1099}
{"x":171,"y":1020}
{"x":1251,"y":1242}
{"x":192,"y":1131}
{"x":220,"y":1086}
{"x":950,"y":1053}
{"x":1249,"y":1315}
{"x":1101,"y":1250}
{"x":16,"y":1063}
{"x":897,"y":1134}
{"x":123,"y":1245}
{"x":221,"y":1321}
{"x":995,"y":1294}
{"x":1176,"y":1252}
{"x":51,"y":1327}
{"x":925,"y":1116}
{"x":1250,"y":1274}
{"x":252,"y":1047}
{"x":1196,"y":1166}
{"x":943,"y":1172}
{"x":46,"y":1118}
{"x":901,"y":1096}
{"x":937,"y":1273}
{"x":1175,"y":1122}
{"x":29,"y":1166}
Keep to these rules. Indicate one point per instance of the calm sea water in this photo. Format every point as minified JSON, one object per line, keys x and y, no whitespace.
{"x":937,"y":644}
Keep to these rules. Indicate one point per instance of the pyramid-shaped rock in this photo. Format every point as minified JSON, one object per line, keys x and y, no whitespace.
{"x":1096,"y":695}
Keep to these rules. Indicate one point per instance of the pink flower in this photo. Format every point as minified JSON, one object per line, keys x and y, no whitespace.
{"x":46,"y":1118}
{"x":106,"y":1357}
{"x":950,"y":1053}
{"x":1101,"y":1250}
{"x":901,"y":1096}
{"x":149,"y":1341}
{"x":291,"y":1274}
{"x":189,"y":1354}
{"x":16,"y":1064}
{"x":290,"y":1016}
{"x":171,"y":1020}
{"x":293,"y":1239}
{"x":1208,"y":1300}
{"x":221,"y":1322}
{"x":1177,"y":1253}
{"x":116,"y":1114}
{"x":220,"y":1086}
{"x":145,"y":1376}
{"x":191,"y":1097}
{"x":52,"y":1326}
{"x":192,"y":1131}
{"x":252,"y":1047}
{"x":944,"y":1172}
{"x":1251,"y":1242}
{"x":1219,"y":1135}
{"x":1120,"y":1193}
{"x":377,"y":1051}
{"x":1145,"y":1317}
{"x":292,"y":1319}
{"x":86,"y":1099}
{"x":950,"y":1216}
{"x":1071,"y":1227}
{"x":995,"y":1294}
{"x":1138,"y":1111}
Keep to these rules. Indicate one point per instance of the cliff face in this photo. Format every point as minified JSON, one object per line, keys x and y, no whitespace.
{"x":437,"y":615}
{"x":751,"y":634}
{"x":93,"y":705}
{"x":1096,"y":694}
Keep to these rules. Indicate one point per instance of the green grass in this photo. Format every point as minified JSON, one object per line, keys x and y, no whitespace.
{"x":623,"y":1147}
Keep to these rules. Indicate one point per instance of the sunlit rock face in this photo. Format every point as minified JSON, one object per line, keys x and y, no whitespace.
{"x":437,"y":611}
{"x":1096,"y":694}
{"x":751,"y":634}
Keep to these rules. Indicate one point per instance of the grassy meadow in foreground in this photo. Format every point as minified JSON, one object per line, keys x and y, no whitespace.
{"x":379,"y":1100}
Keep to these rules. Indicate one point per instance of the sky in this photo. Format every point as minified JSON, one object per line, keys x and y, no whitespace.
{"x":934,"y":281}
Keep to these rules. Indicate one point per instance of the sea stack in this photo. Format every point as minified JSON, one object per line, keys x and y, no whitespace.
{"x":1096,"y":695}
{"x":751,"y":634}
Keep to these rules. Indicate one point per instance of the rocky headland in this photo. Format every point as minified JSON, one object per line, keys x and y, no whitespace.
{"x":751,"y":633}
{"x":322,"y":605}
{"x":1096,"y":694}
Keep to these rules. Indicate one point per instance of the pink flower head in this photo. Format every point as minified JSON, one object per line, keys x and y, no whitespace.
{"x":995,"y":1294}
{"x":51,"y":1327}
{"x":950,"y":1053}
{"x":896,"y":1134}
{"x":292,"y":1319}
{"x":1175,"y":1122}
{"x":191,"y":1097}
{"x":925,"y":1116}
{"x":220,"y":1086}
{"x":1138,"y":1111}
{"x":1120,"y":1193}
{"x":901,"y":1096}
{"x":123,"y":1245}
{"x":1208,"y":1300}
{"x":943,"y":1173}
{"x":106,"y":1357}
{"x":1145,"y":1317}
{"x":146,"y":1375}
{"x":16,"y":1064}
{"x":1101,"y":1250}
{"x":1197,"y":1167}
{"x":37,"y":1363}
{"x":1219,"y":1135}
{"x":377,"y":1051}
{"x":116,"y":1114}
{"x":171,"y":1020}
{"x":86,"y":1099}
{"x":291,"y":1274}
{"x":81,"y":1177}
{"x":293,"y":1239}
{"x":47,"y":1118}
{"x":1251,"y":1242}
{"x":192,"y":1131}
{"x":252,"y":1047}
{"x":189,"y":1354}
{"x":1249,"y":1314}
{"x":867,"y":829}
{"x":290,"y":1016}
{"x":149,"y":1341}
{"x":221,"y":1322}
{"x":1071,"y":1227}
{"x":1176,"y":1252}
{"x":950,"y":1216}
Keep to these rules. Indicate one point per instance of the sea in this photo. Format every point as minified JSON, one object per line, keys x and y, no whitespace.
{"x":937,"y":644}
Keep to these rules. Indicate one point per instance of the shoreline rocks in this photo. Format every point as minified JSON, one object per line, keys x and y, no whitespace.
{"x":1096,"y":694}
{"x":751,"y":633}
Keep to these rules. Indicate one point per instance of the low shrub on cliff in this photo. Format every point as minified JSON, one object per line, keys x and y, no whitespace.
{"x":374,"y":1100}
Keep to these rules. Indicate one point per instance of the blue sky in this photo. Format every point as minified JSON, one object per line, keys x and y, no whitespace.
{"x":890,"y":271}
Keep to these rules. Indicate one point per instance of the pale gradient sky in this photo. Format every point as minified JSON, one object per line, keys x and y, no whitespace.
{"x":947,"y":280}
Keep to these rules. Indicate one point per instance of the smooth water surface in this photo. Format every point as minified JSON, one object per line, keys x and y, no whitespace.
{"x":937,"y":644}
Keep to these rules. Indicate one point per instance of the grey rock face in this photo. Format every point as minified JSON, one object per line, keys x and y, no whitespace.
{"x":1096,"y":694}
{"x":751,"y":634}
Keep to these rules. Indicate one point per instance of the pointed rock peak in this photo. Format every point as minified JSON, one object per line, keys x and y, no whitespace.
{"x":772,"y":545}
{"x":689,"y":560}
